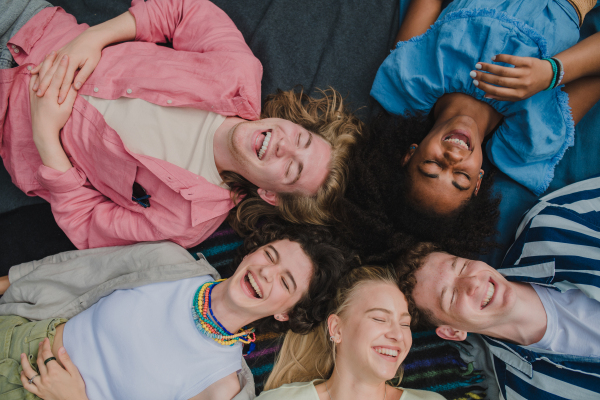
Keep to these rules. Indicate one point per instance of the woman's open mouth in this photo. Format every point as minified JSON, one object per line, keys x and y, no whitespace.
{"x":252,"y":286}
{"x":386,"y":352}
{"x":262,"y":143}
{"x":459,"y":138}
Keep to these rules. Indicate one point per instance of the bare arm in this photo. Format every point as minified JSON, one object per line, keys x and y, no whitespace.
{"x":421,"y":14}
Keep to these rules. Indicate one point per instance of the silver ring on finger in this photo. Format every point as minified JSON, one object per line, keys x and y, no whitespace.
{"x":32,"y":378}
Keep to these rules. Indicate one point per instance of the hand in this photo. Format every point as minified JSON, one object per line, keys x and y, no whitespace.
{"x":47,"y":115}
{"x":528,"y":77}
{"x":84,"y":54}
{"x":53,"y":382}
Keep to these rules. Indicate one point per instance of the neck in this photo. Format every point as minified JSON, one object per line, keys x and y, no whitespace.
{"x":227,"y":314}
{"x":224,"y":160}
{"x":527,"y":321}
{"x":345,"y":385}
{"x":455,"y":104}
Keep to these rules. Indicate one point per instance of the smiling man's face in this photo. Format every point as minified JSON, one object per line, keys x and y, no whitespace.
{"x":464,"y":295}
{"x":280,"y":156}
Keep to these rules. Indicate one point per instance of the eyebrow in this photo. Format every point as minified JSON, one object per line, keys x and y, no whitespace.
{"x":287,"y":272}
{"x":310,"y":135}
{"x":433,"y":176}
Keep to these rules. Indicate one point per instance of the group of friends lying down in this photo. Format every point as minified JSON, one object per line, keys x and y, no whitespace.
{"x":354,"y":233}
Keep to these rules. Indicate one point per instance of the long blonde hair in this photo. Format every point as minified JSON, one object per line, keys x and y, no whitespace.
{"x":306,"y":357}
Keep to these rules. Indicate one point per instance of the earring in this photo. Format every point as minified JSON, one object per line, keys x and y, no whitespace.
{"x":413,"y":147}
{"x":331,"y":338}
{"x":480,"y":175}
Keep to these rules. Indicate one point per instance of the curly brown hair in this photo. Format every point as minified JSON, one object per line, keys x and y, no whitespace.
{"x":381,"y":220}
{"x":330,"y":259}
{"x":406,"y":266}
{"x":327,"y":117}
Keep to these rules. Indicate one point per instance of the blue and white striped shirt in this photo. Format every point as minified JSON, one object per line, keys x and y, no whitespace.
{"x":557,"y":245}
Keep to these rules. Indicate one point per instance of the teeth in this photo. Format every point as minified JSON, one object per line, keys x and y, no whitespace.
{"x":489,"y":295}
{"x":457,"y":141}
{"x":387,"y":352}
{"x":254,"y":285}
{"x":264,"y":146}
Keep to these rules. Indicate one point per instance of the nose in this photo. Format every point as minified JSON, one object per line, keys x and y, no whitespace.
{"x":453,"y":156}
{"x":395,"y":333}
{"x":469,"y":284}
{"x":284,"y":147}
{"x":268,"y":272}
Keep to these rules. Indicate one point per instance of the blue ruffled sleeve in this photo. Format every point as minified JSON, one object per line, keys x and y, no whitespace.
{"x":535,"y":133}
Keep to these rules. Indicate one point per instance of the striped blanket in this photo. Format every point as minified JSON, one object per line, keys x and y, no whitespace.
{"x":432,"y":364}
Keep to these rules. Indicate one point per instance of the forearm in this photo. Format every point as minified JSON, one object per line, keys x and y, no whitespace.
{"x":50,"y":149}
{"x":583,"y":94}
{"x":116,"y":30}
{"x":421,"y":14}
{"x":581,"y":60}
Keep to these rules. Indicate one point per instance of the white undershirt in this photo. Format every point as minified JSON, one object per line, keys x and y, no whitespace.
{"x":181,"y":136}
{"x":573,"y":325}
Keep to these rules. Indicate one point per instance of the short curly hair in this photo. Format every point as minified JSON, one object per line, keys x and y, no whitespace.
{"x":326,"y":116}
{"x":330,"y":259}
{"x":381,"y":221}
{"x":406,"y":265}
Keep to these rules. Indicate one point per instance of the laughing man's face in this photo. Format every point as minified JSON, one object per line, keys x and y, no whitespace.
{"x":463,"y":294}
{"x":280,"y":156}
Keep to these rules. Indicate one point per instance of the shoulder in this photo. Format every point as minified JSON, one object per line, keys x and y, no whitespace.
{"x":294,"y":391}
{"x":415,"y":394}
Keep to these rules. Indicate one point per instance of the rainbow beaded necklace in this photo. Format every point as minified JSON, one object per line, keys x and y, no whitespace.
{"x":201,"y":306}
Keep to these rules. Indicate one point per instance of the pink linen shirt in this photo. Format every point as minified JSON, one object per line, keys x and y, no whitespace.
{"x":210,"y":67}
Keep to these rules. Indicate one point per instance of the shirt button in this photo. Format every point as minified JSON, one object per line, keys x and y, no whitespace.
{"x":13,"y":46}
{"x":29,"y":67}
{"x":169,"y":101}
{"x":16,"y":50}
{"x":129,"y":91}
{"x":96,"y":89}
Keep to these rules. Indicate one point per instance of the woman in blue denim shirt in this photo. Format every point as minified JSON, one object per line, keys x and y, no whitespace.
{"x":479,"y":70}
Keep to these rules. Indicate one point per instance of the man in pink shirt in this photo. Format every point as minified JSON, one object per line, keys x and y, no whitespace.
{"x":290,"y":163}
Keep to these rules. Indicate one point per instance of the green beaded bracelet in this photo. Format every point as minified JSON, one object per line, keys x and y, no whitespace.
{"x":554,"y":72}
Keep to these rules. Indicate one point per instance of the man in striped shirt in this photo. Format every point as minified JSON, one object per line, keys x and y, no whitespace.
{"x":539,"y":313}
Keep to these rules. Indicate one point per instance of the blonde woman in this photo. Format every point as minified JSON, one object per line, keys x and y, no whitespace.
{"x":357,"y":352}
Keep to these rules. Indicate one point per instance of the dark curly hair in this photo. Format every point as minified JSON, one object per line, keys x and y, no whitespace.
{"x":406,"y":266}
{"x":330,"y":259}
{"x":381,"y":221}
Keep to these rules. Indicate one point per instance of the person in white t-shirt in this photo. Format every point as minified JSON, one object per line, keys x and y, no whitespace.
{"x":359,"y":349}
{"x":174,"y":339}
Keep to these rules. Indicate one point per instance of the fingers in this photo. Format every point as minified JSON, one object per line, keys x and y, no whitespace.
{"x":66,"y":82}
{"x":46,"y":71}
{"x":494,"y":79}
{"x":508,"y":72}
{"x":84,"y":74}
{"x":497,"y":93}
{"x":514,"y":60}
{"x":65,"y":360}
{"x":40,"y":360}
{"x":33,"y":82}
{"x":27,"y":373}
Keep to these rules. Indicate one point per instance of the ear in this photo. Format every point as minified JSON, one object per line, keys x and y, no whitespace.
{"x":281,"y":317}
{"x":268,"y":196}
{"x":334,"y":327}
{"x":479,"y":179}
{"x":408,"y":156}
{"x":449,"y":333}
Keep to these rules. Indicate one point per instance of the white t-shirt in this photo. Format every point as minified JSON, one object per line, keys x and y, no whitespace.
{"x":307,"y":391}
{"x":573,"y":322}
{"x":181,"y":136}
{"x":142,"y":343}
